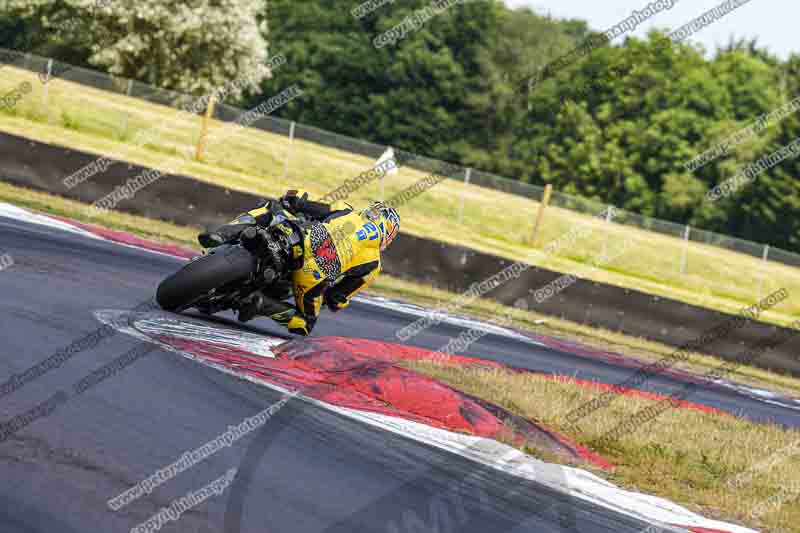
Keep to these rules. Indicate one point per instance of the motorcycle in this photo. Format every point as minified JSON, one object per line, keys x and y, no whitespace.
{"x":226,"y":274}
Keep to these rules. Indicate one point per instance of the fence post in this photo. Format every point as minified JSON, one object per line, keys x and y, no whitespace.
{"x":201,"y":143}
{"x":289,"y":150}
{"x":685,"y":252}
{"x":127,"y":114}
{"x":608,"y":217}
{"x":548,"y":190}
{"x":467,"y":176}
{"x":46,"y":91}
{"x":764,"y":257}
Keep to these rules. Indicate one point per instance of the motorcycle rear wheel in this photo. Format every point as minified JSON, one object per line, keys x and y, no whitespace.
{"x":197,"y":279}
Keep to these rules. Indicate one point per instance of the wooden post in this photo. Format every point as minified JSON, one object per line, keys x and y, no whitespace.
{"x":126,"y":118}
{"x":46,"y":91}
{"x":609,"y":215}
{"x":548,"y":189}
{"x":467,"y":176}
{"x":765,"y":258}
{"x":201,"y":142}
{"x":289,"y":151}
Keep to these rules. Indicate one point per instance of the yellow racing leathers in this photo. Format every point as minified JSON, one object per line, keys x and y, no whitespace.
{"x":341,"y":256}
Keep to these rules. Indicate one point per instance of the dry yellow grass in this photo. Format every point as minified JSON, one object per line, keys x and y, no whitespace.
{"x":602,"y":339}
{"x":688,"y":456}
{"x":421,"y":294}
{"x":144,"y":227}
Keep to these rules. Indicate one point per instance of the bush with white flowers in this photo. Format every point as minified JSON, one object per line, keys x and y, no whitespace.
{"x":191,"y":47}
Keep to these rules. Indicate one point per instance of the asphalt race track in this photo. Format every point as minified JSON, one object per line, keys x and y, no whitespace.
{"x":307,"y":470}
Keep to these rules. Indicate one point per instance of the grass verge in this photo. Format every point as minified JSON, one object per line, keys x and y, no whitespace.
{"x":418,"y":293}
{"x":687,"y":456}
{"x":105,"y":122}
{"x":720,"y":466}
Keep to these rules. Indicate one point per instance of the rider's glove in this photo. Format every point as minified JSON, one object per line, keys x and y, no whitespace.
{"x":254,"y":240}
{"x":292,"y":202}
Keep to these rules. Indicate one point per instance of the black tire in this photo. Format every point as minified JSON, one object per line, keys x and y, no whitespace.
{"x":195,"y":280}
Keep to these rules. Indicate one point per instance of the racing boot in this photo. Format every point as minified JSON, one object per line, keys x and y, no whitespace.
{"x":281,"y":312}
{"x":251,"y":307}
{"x":258,"y":304}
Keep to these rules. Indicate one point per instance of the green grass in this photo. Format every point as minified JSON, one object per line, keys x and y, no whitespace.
{"x":89,"y":119}
{"x":688,"y":456}
{"x":418,"y":293}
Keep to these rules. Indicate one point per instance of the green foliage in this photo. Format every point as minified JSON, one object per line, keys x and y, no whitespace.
{"x":444,"y":91}
{"x":618,"y":126}
{"x":68,"y":121}
{"x":191,"y":47}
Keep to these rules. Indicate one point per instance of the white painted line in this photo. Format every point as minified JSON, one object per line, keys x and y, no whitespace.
{"x":24,"y":215}
{"x":574,"y":482}
{"x":154,"y":324}
{"x":456,"y":320}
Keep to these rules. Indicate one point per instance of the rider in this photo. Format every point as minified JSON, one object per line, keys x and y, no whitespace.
{"x":341,"y":254}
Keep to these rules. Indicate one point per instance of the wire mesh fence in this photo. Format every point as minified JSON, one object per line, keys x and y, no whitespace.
{"x":469,"y":207}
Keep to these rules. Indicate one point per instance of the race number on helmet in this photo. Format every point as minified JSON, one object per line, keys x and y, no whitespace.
{"x":387,"y":220}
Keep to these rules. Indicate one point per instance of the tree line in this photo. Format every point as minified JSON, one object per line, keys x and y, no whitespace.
{"x":621,"y":125}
